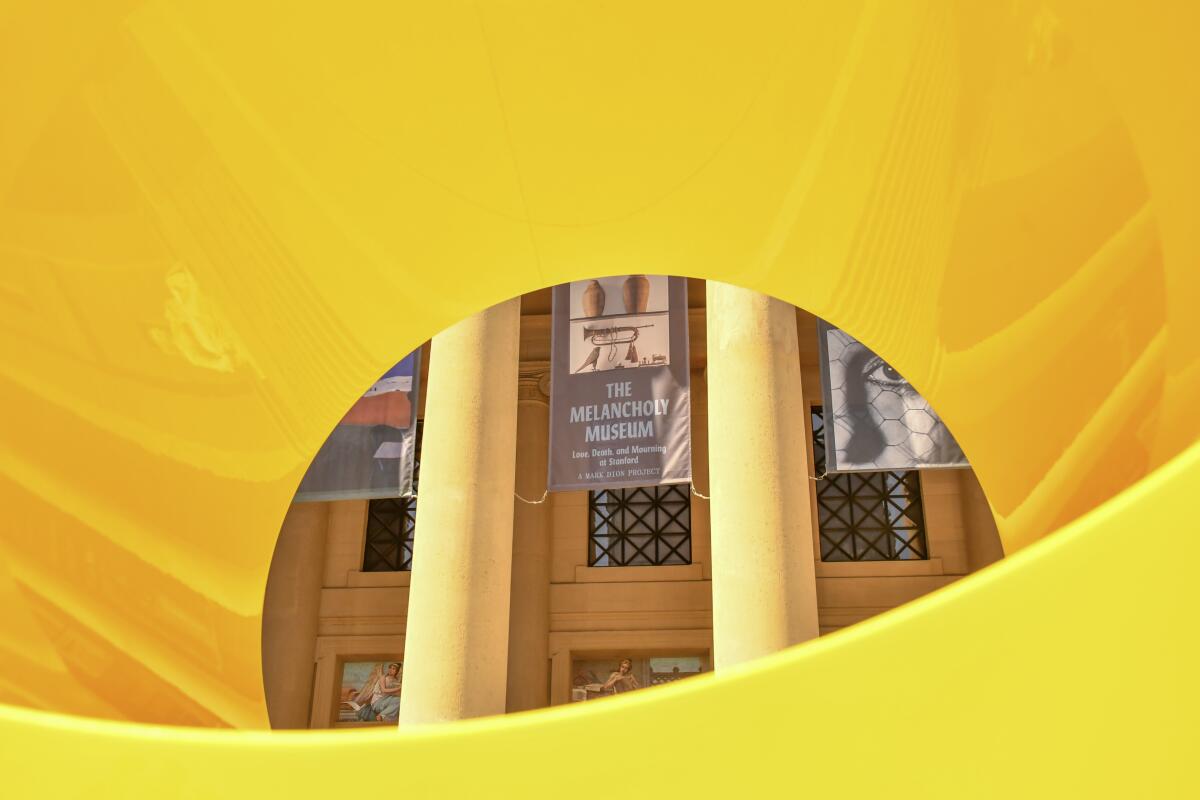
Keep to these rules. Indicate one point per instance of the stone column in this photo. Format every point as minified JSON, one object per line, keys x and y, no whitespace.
{"x":456,"y":643}
{"x":291,"y":613}
{"x":763,"y":577}
{"x":983,"y":539}
{"x":529,"y":627}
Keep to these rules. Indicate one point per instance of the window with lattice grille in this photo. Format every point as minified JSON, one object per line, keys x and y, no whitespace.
{"x":867,"y":516}
{"x":391,"y":525}
{"x":649,"y":526}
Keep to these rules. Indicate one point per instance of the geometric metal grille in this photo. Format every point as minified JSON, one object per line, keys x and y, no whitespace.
{"x":867,"y":516}
{"x":646,"y":526}
{"x":391,"y":525}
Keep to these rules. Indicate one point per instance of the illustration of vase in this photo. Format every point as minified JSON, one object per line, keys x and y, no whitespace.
{"x":593,"y":300}
{"x":637,"y":294}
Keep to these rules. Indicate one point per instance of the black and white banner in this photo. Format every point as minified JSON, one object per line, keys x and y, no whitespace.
{"x":620,"y":410}
{"x":874,"y":418}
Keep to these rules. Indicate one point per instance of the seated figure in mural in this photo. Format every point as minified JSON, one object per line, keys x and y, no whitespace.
{"x":379,"y":698}
{"x":623,"y":680}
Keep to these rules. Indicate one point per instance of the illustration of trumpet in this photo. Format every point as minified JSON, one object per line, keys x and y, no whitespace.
{"x":610,"y":336}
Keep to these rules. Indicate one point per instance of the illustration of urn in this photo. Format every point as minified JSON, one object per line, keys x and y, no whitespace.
{"x":637,"y":294}
{"x":593,"y":300}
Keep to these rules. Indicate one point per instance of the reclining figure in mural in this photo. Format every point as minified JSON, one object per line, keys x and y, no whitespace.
{"x":379,"y":698}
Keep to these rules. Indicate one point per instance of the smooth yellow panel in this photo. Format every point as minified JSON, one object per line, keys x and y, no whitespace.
{"x":220,"y":221}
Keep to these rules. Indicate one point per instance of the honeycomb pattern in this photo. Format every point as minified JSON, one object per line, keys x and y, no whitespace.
{"x":880,"y":422}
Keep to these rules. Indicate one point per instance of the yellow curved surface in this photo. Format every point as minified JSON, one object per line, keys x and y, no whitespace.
{"x":219,"y":221}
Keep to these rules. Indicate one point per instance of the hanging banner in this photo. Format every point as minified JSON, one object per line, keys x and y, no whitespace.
{"x":874,"y":419}
{"x":620,"y":410}
{"x":371,"y":451}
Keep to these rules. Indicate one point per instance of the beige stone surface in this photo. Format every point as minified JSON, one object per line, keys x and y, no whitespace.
{"x":982,"y":539}
{"x":763,"y":574}
{"x":291,"y":612}
{"x":457,"y":632}
{"x":347,"y":533}
{"x":944,"y":530}
{"x":529,"y":624}
{"x":701,"y":512}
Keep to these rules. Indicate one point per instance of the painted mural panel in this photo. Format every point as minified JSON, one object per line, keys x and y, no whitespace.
{"x":370,"y":691}
{"x":604,"y":677}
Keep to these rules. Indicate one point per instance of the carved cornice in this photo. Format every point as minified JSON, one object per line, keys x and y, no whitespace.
{"x":533,"y":382}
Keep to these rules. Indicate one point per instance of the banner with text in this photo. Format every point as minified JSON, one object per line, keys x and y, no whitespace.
{"x":873,"y":418}
{"x":371,"y":452}
{"x":620,"y":410}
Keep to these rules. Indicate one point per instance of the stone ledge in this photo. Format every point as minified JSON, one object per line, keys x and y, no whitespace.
{"x":674,"y":572}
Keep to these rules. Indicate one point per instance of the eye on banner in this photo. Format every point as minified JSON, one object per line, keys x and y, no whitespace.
{"x":874,"y":418}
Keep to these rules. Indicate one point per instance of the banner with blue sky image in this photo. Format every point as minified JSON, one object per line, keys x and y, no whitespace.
{"x":372,"y":450}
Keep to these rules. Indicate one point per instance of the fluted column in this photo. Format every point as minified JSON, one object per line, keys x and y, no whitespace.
{"x":763,"y":582}
{"x":456,"y":642}
{"x":529,"y":626}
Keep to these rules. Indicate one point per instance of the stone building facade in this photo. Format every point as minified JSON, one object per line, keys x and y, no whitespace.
{"x":539,"y":624}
